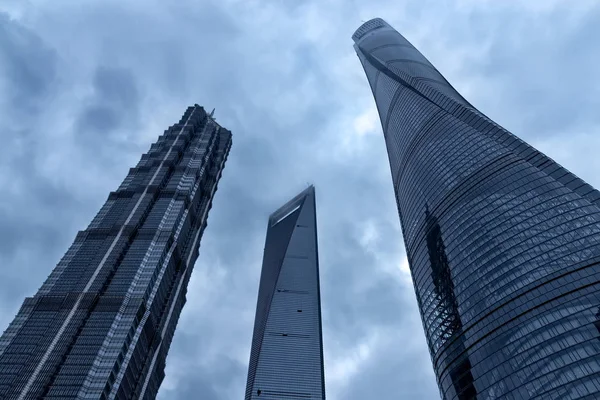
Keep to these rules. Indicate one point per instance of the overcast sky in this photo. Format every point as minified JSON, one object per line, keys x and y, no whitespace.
{"x":85,"y":87}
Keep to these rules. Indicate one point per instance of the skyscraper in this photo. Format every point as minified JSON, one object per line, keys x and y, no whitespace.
{"x":286,"y":359}
{"x":503,"y":243}
{"x":101,"y":325}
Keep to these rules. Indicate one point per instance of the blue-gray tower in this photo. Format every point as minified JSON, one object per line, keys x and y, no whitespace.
{"x":503,"y":243}
{"x":286,"y":359}
{"x":101,"y":325}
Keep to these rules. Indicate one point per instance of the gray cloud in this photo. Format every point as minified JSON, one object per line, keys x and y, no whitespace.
{"x":29,"y":203}
{"x":27,"y":64}
{"x":565,"y":52}
{"x":85,"y":90}
{"x":115,"y":101}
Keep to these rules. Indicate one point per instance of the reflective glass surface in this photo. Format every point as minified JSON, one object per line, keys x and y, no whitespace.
{"x":503,"y":243}
{"x":286,"y":359}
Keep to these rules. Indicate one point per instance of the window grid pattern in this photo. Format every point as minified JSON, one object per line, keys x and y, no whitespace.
{"x":129,"y":270}
{"x":286,"y":360}
{"x":503,"y":243}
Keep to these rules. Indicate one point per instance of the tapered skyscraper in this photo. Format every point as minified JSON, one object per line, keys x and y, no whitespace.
{"x":101,"y":325}
{"x":286,"y":360}
{"x":503,"y":243}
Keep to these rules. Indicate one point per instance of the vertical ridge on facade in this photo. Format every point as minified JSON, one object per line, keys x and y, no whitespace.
{"x":503,"y":243}
{"x":101,"y":324}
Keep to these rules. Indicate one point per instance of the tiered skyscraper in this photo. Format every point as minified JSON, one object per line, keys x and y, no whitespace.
{"x":286,"y":360}
{"x":101,"y":325}
{"x":503,"y":243}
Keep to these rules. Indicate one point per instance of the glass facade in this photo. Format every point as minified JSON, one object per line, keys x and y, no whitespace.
{"x":286,"y":359}
{"x":503,"y":243}
{"x":101,"y":325}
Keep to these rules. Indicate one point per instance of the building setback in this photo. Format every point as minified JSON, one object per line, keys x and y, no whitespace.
{"x":286,"y":359}
{"x":503,"y":243}
{"x":101,"y":325}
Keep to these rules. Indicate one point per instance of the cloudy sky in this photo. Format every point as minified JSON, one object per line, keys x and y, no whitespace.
{"x":85,"y":87}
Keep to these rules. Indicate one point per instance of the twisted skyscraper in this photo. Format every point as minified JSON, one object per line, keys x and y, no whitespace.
{"x":286,"y":360}
{"x":503,"y":243}
{"x":101,"y":325}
